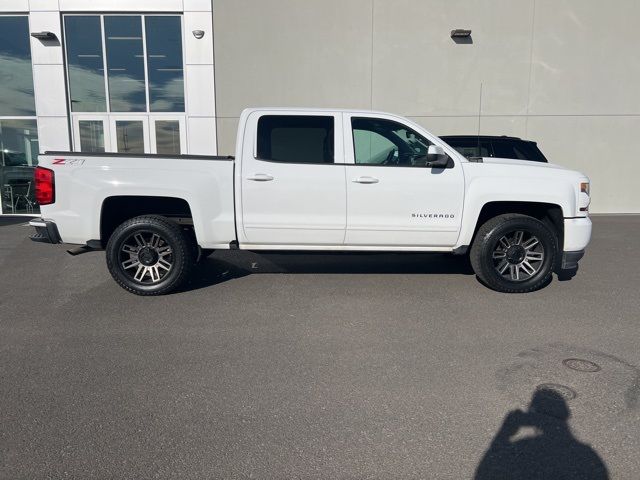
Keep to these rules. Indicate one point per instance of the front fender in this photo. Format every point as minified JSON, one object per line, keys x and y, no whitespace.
{"x":482,"y":191}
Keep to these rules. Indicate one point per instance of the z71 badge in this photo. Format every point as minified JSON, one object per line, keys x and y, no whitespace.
{"x":68,"y":161}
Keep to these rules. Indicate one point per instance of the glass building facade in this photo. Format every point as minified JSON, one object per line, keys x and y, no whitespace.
{"x":104,"y":79}
{"x":128,"y":71}
{"x":18,"y":123}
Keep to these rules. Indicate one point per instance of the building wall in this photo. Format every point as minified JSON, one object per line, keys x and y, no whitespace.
{"x":564,"y":73}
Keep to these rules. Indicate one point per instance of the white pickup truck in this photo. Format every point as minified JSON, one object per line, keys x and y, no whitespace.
{"x":303,"y":179}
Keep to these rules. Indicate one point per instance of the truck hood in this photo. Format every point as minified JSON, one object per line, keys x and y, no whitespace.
{"x":511,"y":166}
{"x":524,"y":163}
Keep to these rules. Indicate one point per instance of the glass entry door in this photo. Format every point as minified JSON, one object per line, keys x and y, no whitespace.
{"x":91,"y":134}
{"x":168,"y":136}
{"x":129,"y":134}
{"x":134,"y":134}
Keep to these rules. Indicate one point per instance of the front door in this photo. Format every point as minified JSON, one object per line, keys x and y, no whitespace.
{"x":293,"y":191}
{"x":393,"y":199}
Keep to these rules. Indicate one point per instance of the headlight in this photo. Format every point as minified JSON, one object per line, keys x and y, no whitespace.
{"x":584,"y":187}
{"x":585,"y":199}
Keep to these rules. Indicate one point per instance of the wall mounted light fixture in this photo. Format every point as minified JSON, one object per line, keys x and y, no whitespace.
{"x":460,"y":33}
{"x":44,"y":35}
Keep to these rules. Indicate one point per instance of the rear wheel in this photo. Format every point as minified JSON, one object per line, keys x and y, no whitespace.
{"x":149,"y":255}
{"x":514,"y":253}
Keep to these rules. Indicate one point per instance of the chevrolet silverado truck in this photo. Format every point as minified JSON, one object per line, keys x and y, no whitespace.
{"x":322,"y":180}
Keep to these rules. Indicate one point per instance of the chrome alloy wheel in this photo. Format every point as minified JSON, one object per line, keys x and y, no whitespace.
{"x":518,"y":256}
{"x":146,"y":257}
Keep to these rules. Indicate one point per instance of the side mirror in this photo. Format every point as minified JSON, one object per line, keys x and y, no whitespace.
{"x":436,"y":157}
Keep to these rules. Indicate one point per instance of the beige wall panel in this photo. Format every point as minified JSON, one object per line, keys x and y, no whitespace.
{"x":448,"y":125}
{"x":227,"y":129}
{"x":292,"y":53}
{"x":578,"y":98}
{"x":604,"y":148}
{"x":504,"y":125}
{"x":585,"y":58}
{"x":419,"y":70}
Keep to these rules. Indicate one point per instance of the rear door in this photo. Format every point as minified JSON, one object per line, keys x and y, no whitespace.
{"x":293,"y":179}
{"x":393,"y":198}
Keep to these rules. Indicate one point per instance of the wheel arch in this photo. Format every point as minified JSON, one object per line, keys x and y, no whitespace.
{"x":548,"y":213}
{"x":117,"y":209}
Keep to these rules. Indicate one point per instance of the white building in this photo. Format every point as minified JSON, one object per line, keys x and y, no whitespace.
{"x":138,"y":76}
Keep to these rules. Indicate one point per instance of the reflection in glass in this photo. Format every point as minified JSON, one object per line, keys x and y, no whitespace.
{"x":18,"y":155}
{"x":164,"y":63}
{"x":18,"y":143}
{"x":168,"y":137}
{"x":91,"y":136}
{"x":125,"y":63}
{"x":16,"y":76}
{"x":130,"y":135}
{"x":85,"y":63}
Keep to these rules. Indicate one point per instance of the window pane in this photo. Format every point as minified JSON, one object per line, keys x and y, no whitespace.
{"x":18,"y":155}
{"x":130,"y":134}
{"x":125,"y":63}
{"x":164,"y":63}
{"x":383,"y":142}
{"x":168,"y":137}
{"x":85,"y":63}
{"x":16,"y":76}
{"x":371,"y":147}
{"x":295,"y":139}
{"x":91,"y":136}
{"x":18,"y":143}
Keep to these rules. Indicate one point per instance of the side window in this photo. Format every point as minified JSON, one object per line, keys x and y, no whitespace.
{"x":384,"y":142}
{"x":372,"y":148}
{"x":295,"y":138}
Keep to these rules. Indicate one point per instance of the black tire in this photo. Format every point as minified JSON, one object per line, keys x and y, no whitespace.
{"x":173,"y":248}
{"x":489,"y":253}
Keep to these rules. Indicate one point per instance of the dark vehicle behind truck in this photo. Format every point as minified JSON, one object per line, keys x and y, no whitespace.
{"x":495,"y":146}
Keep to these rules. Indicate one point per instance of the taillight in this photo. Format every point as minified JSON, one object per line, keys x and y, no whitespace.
{"x":45,"y":186}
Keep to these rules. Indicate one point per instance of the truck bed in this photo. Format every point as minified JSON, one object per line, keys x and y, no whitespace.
{"x":86,"y":182}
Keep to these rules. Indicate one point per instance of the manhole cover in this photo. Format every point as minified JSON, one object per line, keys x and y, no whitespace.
{"x":581,"y":365}
{"x":552,"y":390}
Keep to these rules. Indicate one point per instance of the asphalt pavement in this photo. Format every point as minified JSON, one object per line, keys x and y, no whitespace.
{"x":383,"y":366}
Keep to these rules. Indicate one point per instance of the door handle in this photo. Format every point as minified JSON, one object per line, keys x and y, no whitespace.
{"x":365,"y":180}
{"x":260,"y":177}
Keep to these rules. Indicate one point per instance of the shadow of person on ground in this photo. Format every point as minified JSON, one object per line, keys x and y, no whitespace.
{"x":549,"y":451}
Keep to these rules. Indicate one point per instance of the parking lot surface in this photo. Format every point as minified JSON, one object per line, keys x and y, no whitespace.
{"x":319,"y":366}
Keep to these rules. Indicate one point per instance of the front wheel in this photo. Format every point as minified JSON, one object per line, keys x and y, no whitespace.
{"x":514,"y":253}
{"x":149,"y":255}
